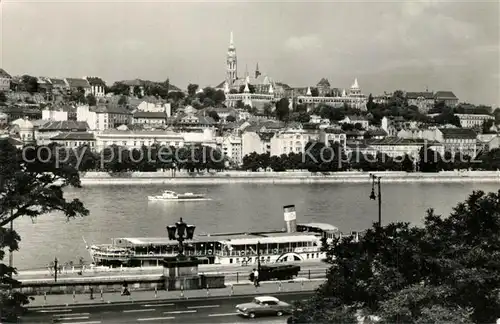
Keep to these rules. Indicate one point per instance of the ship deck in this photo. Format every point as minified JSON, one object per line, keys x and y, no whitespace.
{"x":236,"y":238}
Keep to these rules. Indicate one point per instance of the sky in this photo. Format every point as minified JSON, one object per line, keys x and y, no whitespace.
{"x":407,"y":45}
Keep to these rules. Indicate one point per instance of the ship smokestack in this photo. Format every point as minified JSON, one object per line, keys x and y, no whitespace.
{"x":290,"y":218}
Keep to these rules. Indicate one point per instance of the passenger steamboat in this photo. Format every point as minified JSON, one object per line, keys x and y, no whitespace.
{"x":298,"y":242}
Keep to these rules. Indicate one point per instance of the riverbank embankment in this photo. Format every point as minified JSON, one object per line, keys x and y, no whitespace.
{"x":287,"y":177}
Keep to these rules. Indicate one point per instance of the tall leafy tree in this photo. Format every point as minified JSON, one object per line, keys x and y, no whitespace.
{"x":3,"y":97}
{"x":192,"y":88}
{"x":282,"y":109}
{"x":443,"y":272}
{"x":31,"y":184}
{"x":91,"y":100}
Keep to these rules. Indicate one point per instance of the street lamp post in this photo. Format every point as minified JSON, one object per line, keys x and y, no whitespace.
{"x":373,"y":196}
{"x":258,"y":257}
{"x":11,"y":253}
{"x":56,"y":267}
{"x":180,"y":232}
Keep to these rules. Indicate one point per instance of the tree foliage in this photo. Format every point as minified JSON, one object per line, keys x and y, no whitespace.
{"x":120,"y":88}
{"x":282,"y":109}
{"x":443,"y":272}
{"x":91,"y":100}
{"x":116,"y":159}
{"x":29,"y":83}
{"x":31,"y":184}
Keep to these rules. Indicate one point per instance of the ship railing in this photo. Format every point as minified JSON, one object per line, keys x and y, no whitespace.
{"x":269,"y":252}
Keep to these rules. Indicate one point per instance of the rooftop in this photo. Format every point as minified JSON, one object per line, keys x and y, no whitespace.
{"x":460,"y":133}
{"x":150,"y":114}
{"x":415,"y":95}
{"x":399,"y":141}
{"x":141,"y":133}
{"x":4,"y":74}
{"x":79,"y":136}
{"x":445,"y":95}
{"x":64,"y":125}
{"x":77,"y":83}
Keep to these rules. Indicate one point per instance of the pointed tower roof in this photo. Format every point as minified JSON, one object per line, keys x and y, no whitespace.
{"x":271,"y":90}
{"x":247,"y":90}
{"x":246,"y":71}
{"x":247,"y":79}
{"x":231,"y":41}
{"x":257,"y":67}
{"x":355,"y":84}
{"x":308,"y":91}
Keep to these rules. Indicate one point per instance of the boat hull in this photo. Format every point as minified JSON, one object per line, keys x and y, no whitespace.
{"x":154,"y":198}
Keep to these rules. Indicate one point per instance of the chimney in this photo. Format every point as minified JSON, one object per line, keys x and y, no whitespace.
{"x":290,"y":218}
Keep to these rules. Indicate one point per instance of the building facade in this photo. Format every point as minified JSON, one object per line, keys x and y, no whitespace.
{"x":149,"y":118}
{"x":231,"y":147}
{"x":74,"y":84}
{"x":54,"y":115}
{"x":353,"y":120}
{"x":423,"y":100}
{"x":354,"y":98}
{"x":137,"y":139}
{"x":51,"y":129}
{"x":448,"y":97}
{"x":75,"y":139}
{"x":103,"y":117}
{"x":399,"y":147}
{"x":5,"y":79}
{"x":473,"y":120}
{"x":97,"y":86}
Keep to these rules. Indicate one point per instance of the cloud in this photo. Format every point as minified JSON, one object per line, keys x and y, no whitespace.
{"x":301,"y":43}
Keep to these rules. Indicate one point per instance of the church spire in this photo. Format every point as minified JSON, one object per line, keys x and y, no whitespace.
{"x":257,"y":72}
{"x":231,"y":63}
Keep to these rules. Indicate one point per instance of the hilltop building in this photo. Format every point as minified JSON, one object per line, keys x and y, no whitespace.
{"x":254,"y":90}
{"x":353,"y":98}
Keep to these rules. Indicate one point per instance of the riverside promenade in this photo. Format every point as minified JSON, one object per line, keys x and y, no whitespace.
{"x":292,"y":177}
{"x":231,"y":289}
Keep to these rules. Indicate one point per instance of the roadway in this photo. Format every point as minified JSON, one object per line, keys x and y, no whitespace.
{"x":206,"y":310}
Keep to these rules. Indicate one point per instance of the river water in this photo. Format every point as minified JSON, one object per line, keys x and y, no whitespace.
{"x":124,"y":211}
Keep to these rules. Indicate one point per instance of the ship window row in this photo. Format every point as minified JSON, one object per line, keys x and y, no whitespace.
{"x":220,"y":250}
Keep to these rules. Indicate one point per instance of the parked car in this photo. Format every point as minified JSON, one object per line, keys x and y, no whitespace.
{"x":264,"y":306}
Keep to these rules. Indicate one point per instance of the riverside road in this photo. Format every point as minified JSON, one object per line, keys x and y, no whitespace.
{"x":203,"y":310}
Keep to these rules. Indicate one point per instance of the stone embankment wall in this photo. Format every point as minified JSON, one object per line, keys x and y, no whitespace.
{"x":115,"y":285}
{"x":96,"y":178}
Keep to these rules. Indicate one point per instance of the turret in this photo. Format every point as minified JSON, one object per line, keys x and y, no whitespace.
{"x":290,"y":218}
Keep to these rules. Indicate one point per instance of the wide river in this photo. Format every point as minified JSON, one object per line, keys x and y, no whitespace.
{"x":124,"y":211}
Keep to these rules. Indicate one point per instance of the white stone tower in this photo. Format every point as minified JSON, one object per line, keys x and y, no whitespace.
{"x":231,"y":63}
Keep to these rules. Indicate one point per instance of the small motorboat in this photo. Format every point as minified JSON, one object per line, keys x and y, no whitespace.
{"x":174,"y":196}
